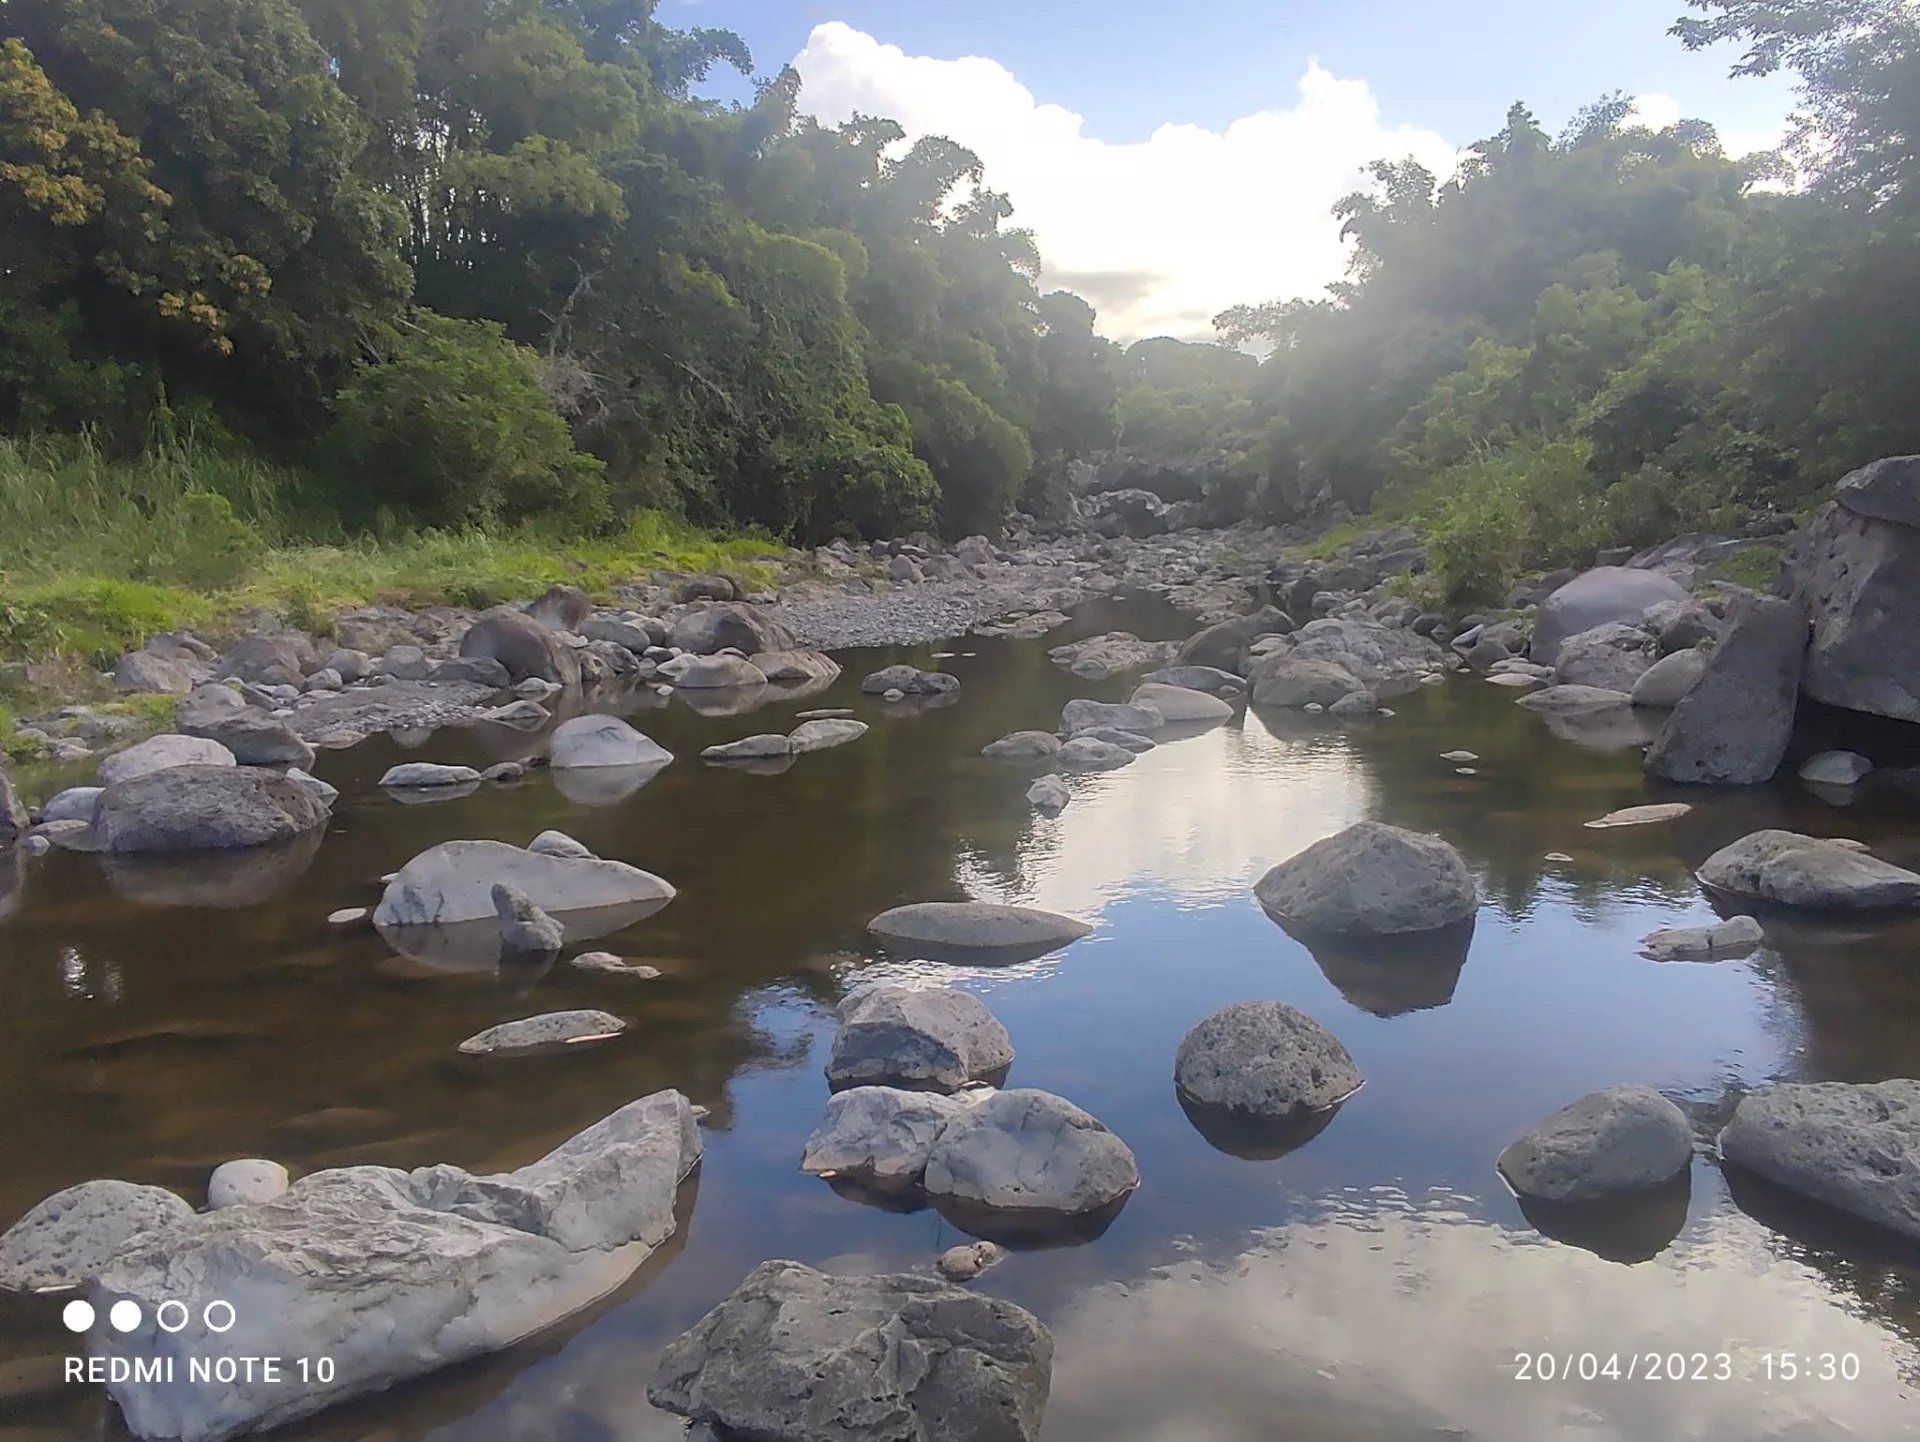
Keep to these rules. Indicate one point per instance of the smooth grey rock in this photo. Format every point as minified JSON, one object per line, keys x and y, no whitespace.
{"x":786,"y":667}
{"x":348,"y":916}
{"x":1736,"y":936}
{"x":558,"y":843}
{"x":1030,"y":1152}
{"x":965,"y":1262}
{"x":1836,"y":768}
{"x":909,"y":680}
{"x":1049,"y":795}
{"x":250,"y":1179}
{"x":795,"y":1355}
{"x":1733,"y":727}
{"x":983,"y":925}
{"x":824,"y":734}
{"x":538,"y":1033}
{"x":1611,"y":656}
{"x":1264,"y":1059}
{"x":634,"y":635}
{"x":158,"y":753}
{"x":1211,"y":679}
{"x":528,"y":650}
{"x":928,"y":1037}
{"x":598,"y":741}
{"x":477,"y":670}
{"x":1179,"y":704}
{"x":204,"y":808}
{"x":714,"y":673}
{"x":750,"y":748}
{"x":1619,"y":1140}
{"x":606,"y":963}
{"x":1112,"y":736}
{"x":880,"y":1135}
{"x":1371,"y":879}
{"x":390,"y":1275}
{"x":1283,"y":680}
{"x":71,"y":1237}
{"x":525,"y":930}
{"x":1089,"y":753}
{"x":1082,"y":715}
{"x":1373,"y":653}
{"x":502,"y":772}
{"x":1023,"y":746}
{"x":454,"y":882}
{"x":719,"y":625}
{"x":1606,"y":593}
{"x":76,"y":803}
{"x":1656,"y":814}
{"x":1571,"y":700}
{"x":1667,"y":681}
{"x":1855,"y":1147}
{"x":1796,"y":870}
{"x":421,"y":774}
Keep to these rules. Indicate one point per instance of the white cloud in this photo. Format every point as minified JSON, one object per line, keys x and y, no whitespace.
{"x":1657,"y":111}
{"x":1160,"y":234}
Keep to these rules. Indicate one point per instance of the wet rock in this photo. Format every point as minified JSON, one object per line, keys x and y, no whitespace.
{"x":910,"y":681}
{"x":1836,"y":768}
{"x":1113,"y":736}
{"x":1210,"y":679}
{"x":602,"y":741}
{"x":392,"y":1274}
{"x":518,"y":713}
{"x":1563,"y":700}
{"x":420,"y":774}
{"x":1665,"y":684}
{"x":1653,"y":815}
{"x":76,"y":803}
{"x":1733,"y":727}
{"x":976,"y":926}
{"x":715,"y":673}
{"x":1354,"y":705}
{"x":1612,"y":657}
{"x":268,"y":660}
{"x":606,"y":963}
{"x":249,"y":1180}
{"x":1809,"y":871}
{"x":525,"y":930}
{"x":502,"y":772}
{"x":454,"y":881}
{"x":785,"y":667}
{"x":750,"y":748}
{"x":1371,"y":879}
{"x":923,"y":1037}
{"x":1082,"y":715}
{"x":1030,"y":1153}
{"x":1284,"y":681}
{"x":824,"y":734}
{"x":1606,"y":593}
{"x":204,"y":808}
{"x":1179,"y":705}
{"x":1089,"y":753}
{"x":157,"y":753}
{"x":1852,"y":1147}
{"x":795,"y":1355}
{"x":1621,"y":1140}
{"x":1114,"y":654}
{"x":1224,"y":645}
{"x":1734,"y":937}
{"x":541,"y":1033}
{"x":1023,"y":746}
{"x":1049,"y":795}
{"x":964,"y":1263}
{"x":1264,"y":1059}
{"x":72,"y":1236}
{"x":562,"y":608}
{"x":723,"y":625}
{"x":529,"y":650}
{"x":880,"y":1136}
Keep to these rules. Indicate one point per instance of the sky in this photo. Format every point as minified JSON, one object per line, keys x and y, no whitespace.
{"x":1174,"y":159}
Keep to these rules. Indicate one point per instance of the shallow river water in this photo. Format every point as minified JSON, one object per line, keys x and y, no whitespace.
{"x":1376,"y":1282}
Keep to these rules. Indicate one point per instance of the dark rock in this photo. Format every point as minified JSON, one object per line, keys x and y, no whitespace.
{"x":204,"y":808}
{"x":521,"y":644}
{"x":720,"y":625}
{"x":562,"y":608}
{"x":1371,"y":879}
{"x":1732,"y":727}
{"x":1607,"y":593}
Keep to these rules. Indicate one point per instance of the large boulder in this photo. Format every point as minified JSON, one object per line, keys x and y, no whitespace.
{"x":1081,"y":715}
{"x":723,"y":625}
{"x":1377,"y":654}
{"x":1179,"y":705}
{"x":252,"y":736}
{"x":1030,"y":1154}
{"x":929,"y":1037}
{"x":1373,"y":880}
{"x":789,"y":667}
{"x":1224,"y":644}
{"x":454,"y":882}
{"x":1612,"y":656}
{"x":1135,"y":512}
{"x":795,"y":1355}
{"x":909,"y":680}
{"x":163,"y":667}
{"x":1851,"y":1146}
{"x":204,"y":808}
{"x":529,"y":650}
{"x":1733,"y":726}
{"x":1810,"y":871}
{"x":1023,"y":746}
{"x":268,"y":660}
{"x":587,"y":742}
{"x":975,"y":926}
{"x":390,"y":1274}
{"x":1280,"y":680}
{"x":562,"y":608}
{"x":72,"y":1236}
{"x":880,"y":1136}
{"x":158,"y":753}
{"x":1855,"y":569}
{"x":714,"y":673}
{"x":1264,"y":1060}
{"x":1623,"y":1139}
{"x":1606,"y":593}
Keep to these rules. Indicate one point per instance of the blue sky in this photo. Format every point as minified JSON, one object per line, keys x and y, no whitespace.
{"x":1175,"y":158}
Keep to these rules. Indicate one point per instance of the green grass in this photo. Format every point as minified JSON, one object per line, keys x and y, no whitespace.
{"x":1754,"y":567}
{"x":98,"y":554}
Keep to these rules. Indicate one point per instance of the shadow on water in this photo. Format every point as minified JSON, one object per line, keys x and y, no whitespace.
{"x":1372,"y":1279}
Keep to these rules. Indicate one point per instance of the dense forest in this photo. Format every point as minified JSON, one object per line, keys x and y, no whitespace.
{"x":479,"y":263}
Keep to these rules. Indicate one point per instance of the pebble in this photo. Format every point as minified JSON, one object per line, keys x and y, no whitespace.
{"x":964,"y":1263}
{"x":347,"y":916}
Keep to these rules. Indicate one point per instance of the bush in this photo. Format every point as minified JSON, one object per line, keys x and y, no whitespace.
{"x":453,"y":429}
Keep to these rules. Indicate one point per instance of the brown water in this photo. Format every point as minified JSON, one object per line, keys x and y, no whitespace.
{"x":1377,"y":1282}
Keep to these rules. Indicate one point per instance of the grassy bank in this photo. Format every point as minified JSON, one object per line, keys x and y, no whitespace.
{"x":97,"y":554}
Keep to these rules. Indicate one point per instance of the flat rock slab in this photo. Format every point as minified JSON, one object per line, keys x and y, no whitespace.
{"x":931,"y":1037}
{"x":426,"y":774}
{"x":880,"y":1135}
{"x":1090,"y":753}
{"x":454,"y":882}
{"x":1023,"y":746}
{"x":1264,"y":1059}
{"x":750,"y":748}
{"x":540,"y":1033}
{"x":824,"y":734}
{"x":606,"y":963}
{"x":1724,"y":940}
{"x":1853,"y":1147}
{"x":1795,"y":870}
{"x":1081,"y":715}
{"x":590,"y":742}
{"x":962,"y":926}
{"x":1569,"y":699}
{"x":1620,"y":1140}
{"x":1371,"y":879}
{"x":910,"y":681}
{"x":71,"y":1237}
{"x":1651,"y":815}
{"x":1031,"y":1154}
{"x":795,"y":1355}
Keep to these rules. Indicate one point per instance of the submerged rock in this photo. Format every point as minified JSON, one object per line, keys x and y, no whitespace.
{"x":426,"y":774}
{"x":454,"y":882}
{"x":928,"y":1037}
{"x":1266,"y":1060}
{"x":540,"y":1033}
{"x":1179,"y":705}
{"x":74,"y":1235}
{"x":1081,"y":715}
{"x":909,"y":681}
{"x":589,"y":742}
{"x":1371,"y":879}
{"x":1032,"y":1154}
{"x":606,"y":963}
{"x":1023,"y":746}
{"x":1623,"y":1139}
{"x":1652,"y":815}
{"x":795,"y":1355}
{"x":1810,"y":871}
{"x":976,"y":926}
{"x":204,"y":808}
{"x":1853,"y":1147}
{"x":1733,"y":727}
{"x":750,"y":748}
{"x":1736,"y":936}
{"x":1049,"y":795}
{"x":880,"y":1135}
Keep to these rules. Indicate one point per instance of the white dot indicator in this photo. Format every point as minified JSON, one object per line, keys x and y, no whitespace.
{"x":77,"y":1315}
{"x":124,"y":1314}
